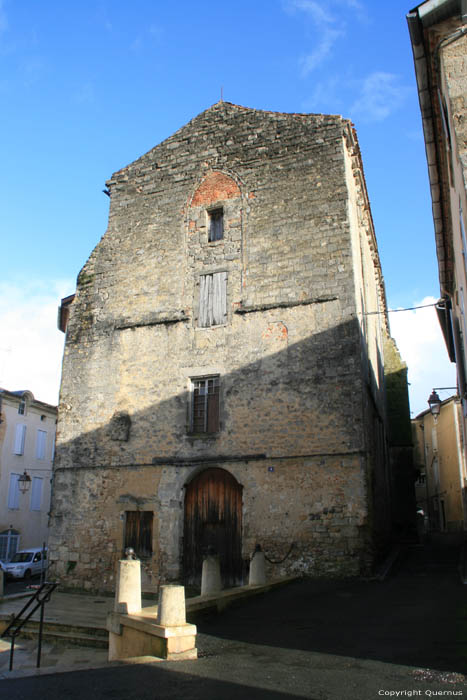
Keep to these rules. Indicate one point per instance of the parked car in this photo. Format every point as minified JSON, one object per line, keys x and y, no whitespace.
{"x":26,"y":563}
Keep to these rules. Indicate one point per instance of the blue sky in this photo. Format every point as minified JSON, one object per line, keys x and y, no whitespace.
{"x":88,"y":87}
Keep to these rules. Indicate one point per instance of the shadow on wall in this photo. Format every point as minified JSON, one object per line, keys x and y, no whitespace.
{"x":291,"y":430}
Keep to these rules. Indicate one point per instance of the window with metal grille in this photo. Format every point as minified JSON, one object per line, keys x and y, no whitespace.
{"x":205,"y":405}
{"x":138,"y":532}
{"x":213,"y":299}
{"x":216,"y":225}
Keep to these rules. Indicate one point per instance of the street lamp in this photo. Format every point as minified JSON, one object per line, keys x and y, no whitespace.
{"x":24,"y":482}
{"x":434,"y":402}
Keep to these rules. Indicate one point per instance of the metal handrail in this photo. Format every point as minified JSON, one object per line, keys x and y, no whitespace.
{"x":40,"y":598}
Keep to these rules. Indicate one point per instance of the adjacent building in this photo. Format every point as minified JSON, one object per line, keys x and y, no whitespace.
{"x":223,"y":376}
{"x":440,"y":462}
{"x":27,"y":437}
{"x":438,"y":32}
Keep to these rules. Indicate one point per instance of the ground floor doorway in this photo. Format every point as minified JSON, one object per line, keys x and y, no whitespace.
{"x":213,"y":520}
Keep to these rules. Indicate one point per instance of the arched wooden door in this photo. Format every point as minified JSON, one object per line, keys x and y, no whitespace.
{"x":213,"y":518}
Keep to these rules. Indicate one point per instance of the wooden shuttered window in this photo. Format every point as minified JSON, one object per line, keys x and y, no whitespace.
{"x":36,"y":493}
{"x":138,"y":532}
{"x":13,"y":492}
{"x":205,"y":405}
{"x":213,"y":299}
{"x":41,"y":444}
{"x":20,"y":437}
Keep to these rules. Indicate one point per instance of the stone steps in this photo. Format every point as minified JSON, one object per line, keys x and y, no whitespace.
{"x":68,"y":635}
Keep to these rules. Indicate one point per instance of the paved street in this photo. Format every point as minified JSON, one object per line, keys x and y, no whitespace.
{"x":322,"y":640}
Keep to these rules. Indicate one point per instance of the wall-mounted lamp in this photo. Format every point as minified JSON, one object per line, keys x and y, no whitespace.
{"x":24,"y":482}
{"x":434,"y":402}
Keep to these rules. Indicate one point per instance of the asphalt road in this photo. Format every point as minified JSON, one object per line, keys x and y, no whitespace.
{"x":322,"y":640}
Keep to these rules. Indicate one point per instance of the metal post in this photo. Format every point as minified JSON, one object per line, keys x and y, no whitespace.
{"x":42,"y":564}
{"x":12,"y":651}
{"x":41,"y":623}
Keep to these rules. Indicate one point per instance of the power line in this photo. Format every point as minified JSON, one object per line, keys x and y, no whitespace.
{"x":393,"y":311}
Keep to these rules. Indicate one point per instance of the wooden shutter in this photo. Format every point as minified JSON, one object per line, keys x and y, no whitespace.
{"x":40,"y":444}
{"x":219,"y":298}
{"x":13,"y":492}
{"x":205,"y":301}
{"x":213,"y":299}
{"x":36,"y":493}
{"x":138,"y":532}
{"x":20,"y":437}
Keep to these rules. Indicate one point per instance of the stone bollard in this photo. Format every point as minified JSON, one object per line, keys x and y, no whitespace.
{"x":257,"y":576}
{"x":171,"y":609}
{"x":211,"y":575}
{"x":128,"y":591}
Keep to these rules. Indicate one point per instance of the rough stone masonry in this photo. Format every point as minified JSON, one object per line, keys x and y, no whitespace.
{"x":222,"y":384}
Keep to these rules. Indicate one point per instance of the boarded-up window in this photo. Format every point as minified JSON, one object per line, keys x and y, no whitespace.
{"x":213,"y":299}
{"x":20,"y":436}
{"x":216,"y":225}
{"x":138,"y":532}
{"x":205,"y":405}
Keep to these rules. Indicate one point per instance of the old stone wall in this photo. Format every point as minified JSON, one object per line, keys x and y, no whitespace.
{"x":294,"y":430}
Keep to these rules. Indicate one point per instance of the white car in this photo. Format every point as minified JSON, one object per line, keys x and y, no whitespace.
{"x":26,"y":563}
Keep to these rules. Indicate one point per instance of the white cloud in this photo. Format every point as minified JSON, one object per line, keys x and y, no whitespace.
{"x":329,"y":24}
{"x":315,"y":9}
{"x":328,"y":30}
{"x":323,"y":49}
{"x":380,"y":96}
{"x":31,"y":346}
{"x":421,"y":345}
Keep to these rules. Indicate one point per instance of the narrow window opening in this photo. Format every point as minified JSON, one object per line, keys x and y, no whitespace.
{"x":216,"y":225}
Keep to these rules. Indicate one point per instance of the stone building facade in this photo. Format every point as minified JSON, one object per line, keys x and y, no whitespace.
{"x":223,"y":383}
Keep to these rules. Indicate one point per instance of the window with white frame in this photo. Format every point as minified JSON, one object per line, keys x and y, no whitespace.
{"x":36,"y":493}
{"x":205,"y":405}
{"x":22,"y":407}
{"x":13,"y":492}
{"x":212,"y":299}
{"x":41,"y":444}
{"x":20,"y":437}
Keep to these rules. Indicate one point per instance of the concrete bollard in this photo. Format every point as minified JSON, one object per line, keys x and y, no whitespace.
{"x":128,"y":591}
{"x":257,"y":576}
{"x":171,"y":610}
{"x":211,"y":581}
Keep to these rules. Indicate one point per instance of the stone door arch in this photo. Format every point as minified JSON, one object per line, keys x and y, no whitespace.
{"x":213,"y":519}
